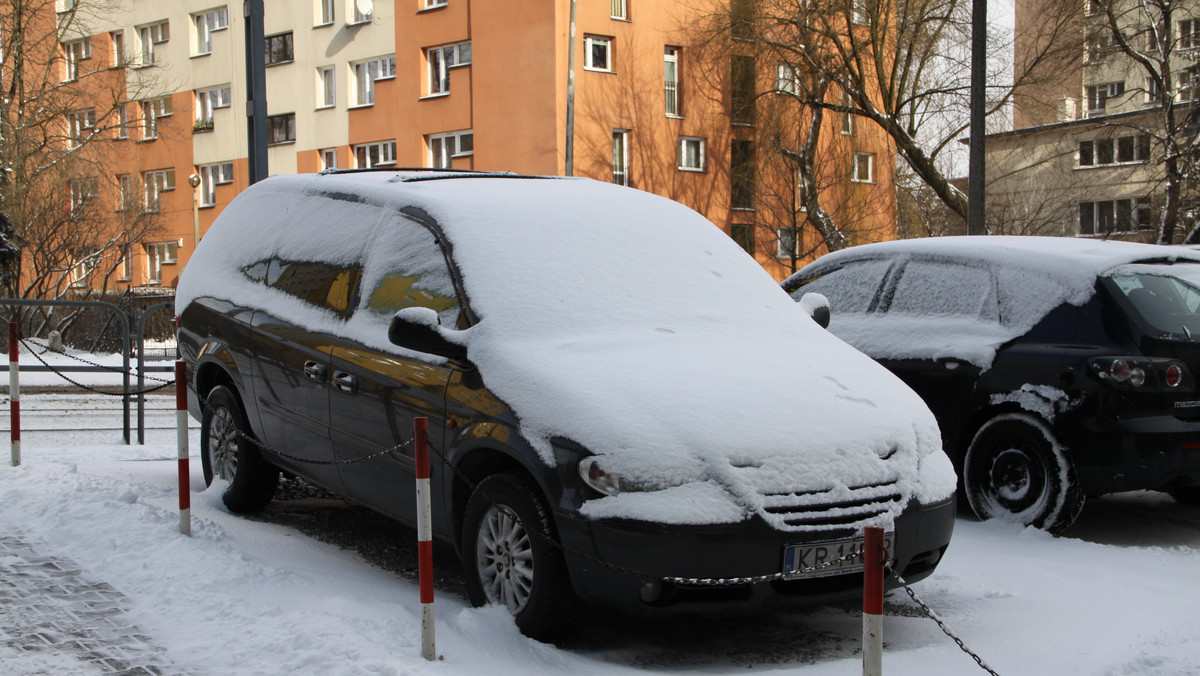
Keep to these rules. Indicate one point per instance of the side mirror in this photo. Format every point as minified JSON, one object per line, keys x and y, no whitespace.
{"x":817,"y":307}
{"x":420,"y":330}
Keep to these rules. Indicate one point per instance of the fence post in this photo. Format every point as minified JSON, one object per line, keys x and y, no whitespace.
{"x":424,"y":536}
{"x":14,"y":391}
{"x":873,"y":559}
{"x":181,"y":434}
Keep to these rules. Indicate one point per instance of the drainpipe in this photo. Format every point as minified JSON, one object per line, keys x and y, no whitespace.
{"x":569,"y":168}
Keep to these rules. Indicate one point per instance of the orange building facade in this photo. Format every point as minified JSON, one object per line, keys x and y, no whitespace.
{"x":617,"y":90}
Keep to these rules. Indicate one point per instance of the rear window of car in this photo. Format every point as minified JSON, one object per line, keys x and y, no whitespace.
{"x":849,"y":288}
{"x":1166,"y":296}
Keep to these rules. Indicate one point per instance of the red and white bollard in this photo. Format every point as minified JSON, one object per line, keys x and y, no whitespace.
{"x":14,"y":391}
{"x":424,"y":536}
{"x":873,"y":558}
{"x":181,"y":435}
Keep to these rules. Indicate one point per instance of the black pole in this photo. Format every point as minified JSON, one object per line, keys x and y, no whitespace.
{"x":976,"y":220}
{"x":256,"y":91}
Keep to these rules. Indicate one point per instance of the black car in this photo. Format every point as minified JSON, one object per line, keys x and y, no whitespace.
{"x":590,"y":362}
{"x":1057,"y":368}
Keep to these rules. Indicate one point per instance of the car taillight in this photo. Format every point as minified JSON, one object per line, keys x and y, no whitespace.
{"x":1121,"y":371}
{"x":1174,"y":375}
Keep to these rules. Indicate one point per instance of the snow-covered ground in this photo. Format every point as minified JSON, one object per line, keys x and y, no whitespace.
{"x":1116,"y":595}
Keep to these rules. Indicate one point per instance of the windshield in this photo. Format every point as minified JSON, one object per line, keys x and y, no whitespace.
{"x":1167,"y":297}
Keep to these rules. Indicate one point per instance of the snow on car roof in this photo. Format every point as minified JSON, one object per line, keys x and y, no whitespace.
{"x":613,"y":317}
{"x":1035,"y":275}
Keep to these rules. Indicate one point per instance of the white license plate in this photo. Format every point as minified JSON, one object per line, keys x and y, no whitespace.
{"x":812,"y":559}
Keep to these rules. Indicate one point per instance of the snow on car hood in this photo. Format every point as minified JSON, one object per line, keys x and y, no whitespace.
{"x":631,"y":325}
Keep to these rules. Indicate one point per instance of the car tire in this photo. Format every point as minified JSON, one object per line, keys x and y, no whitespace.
{"x":510,"y":557}
{"x":1188,"y":495}
{"x":1015,"y":470}
{"x":230,"y":456}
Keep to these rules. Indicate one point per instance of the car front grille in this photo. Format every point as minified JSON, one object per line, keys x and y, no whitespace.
{"x":833,"y":509}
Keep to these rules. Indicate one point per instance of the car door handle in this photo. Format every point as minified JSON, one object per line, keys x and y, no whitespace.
{"x":346,"y":382}
{"x":315,"y":370}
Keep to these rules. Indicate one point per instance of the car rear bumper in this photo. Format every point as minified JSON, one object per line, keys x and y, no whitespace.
{"x":623,"y":563}
{"x":1151,"y":452}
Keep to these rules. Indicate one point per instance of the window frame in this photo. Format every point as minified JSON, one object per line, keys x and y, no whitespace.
{"x":440,"y":61}
{"x":287,"y":44}
{"x":205,"y":24}
{"x":285,"y":122}
{"x":154,"y":110}
{"x":781,"y":253}
{"x":155,"y":182}
{"x":212,"y":175}
{"x":590,"y":43}
{"x":700,"y":154}
{"x":856,"y":167}
{"x":385,"y":151}
{"x":75,"y":51}
{"x":620,"y":157}
{"x":149,"y":35}
{"x":326,"y":87}
{"x":159,"y":254}
{"x":211,"y":99}
{"x":434,"y":157}
{"x":78,"y":124}
{"x":671,"y":89}
{"x":325,"y":154}
{"x":326,"y":13}
{"x":619,"y":10}
{"x":364,"y":82}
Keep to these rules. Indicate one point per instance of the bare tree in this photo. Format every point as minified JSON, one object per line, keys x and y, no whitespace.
{"x":64,"y":110}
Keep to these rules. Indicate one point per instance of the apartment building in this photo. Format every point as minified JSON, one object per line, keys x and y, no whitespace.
{"x":1086,"y":156}
{"x":459,"y":84}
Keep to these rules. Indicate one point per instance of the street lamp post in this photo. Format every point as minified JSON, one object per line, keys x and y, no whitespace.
{"x":194,"y":181}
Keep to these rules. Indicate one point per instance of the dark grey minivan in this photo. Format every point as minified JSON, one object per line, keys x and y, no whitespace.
{"x":617,"y":406}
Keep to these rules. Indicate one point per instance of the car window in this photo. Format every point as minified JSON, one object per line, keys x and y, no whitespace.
{"x":850,"y":288}
{"x":411,"y":271}
{"x":941,"y":289}
{"x":1167,"y":297}
{"x":324,"y":285}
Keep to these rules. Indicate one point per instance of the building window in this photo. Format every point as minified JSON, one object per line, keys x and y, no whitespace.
{"x":158,"y":255}
{"x":85,"y":261}
{"x":281,"y":129}
{"x":787,"y":243}
{"x":74,"y":52}
{"x":152,"y":111}
{"x":1111,"y":151}
{"x":430,"y":4}
{"x":1109,"y":216}
{"x":117,"y":39}
{"x":1187,"y":85}
{"x":441,"y":60}
{"x":742,"y":174}
{"x":742,"y":94}
{"x":1189,"y":34}
{"x":206,"y":24}
{"x":859,"y":13}
{"x":862,"y":168}
{"x":366,"y":73}
{"x":125,"y":200}
{"x":372,"y":154}
{"x":212,"y":175}
{"x":620,"y":156}
{"x":1153,"y":92}
{"x":208,"y":100}
{"x":619,"y":9}
{"x":326,"y":87}
{"x":80,"y":125}
{"x":1099,"y":46}
{"x":279,"y":48}
{"x":691,"y":153}
{"x":83,"y":190}
{"x":329,"y":159}
{"x":597,"y":53}
{"x":325,"y":12}
{"x":126,"y":265}
{"x":741,"y":15}
{"x":444,"y":147}
{"x":743,"y":234}
{"x":122,"y":112}
{"x":847,"y":117}
{"x":357,"y":15}
{"x":671,"y":80}
{"x":1098,"y":96}
{"x":156,"y":183}
{"x":149,"y":36}
{"x":787,"y":78}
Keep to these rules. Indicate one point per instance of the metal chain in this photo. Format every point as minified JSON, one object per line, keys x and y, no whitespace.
{"x":934,"y":616}
{"x":92,"y":389}
{"x":46,"y":348}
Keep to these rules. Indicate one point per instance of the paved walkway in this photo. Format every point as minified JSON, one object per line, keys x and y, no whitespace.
{"x":46,"y":606}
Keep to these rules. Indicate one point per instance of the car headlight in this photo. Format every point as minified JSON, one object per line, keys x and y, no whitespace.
{"x":599,"y":474}
{"x":597,"y":478}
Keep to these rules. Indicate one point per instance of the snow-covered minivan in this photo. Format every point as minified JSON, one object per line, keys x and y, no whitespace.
{"x":623,"y":407}
{"x":1057,"y":367}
